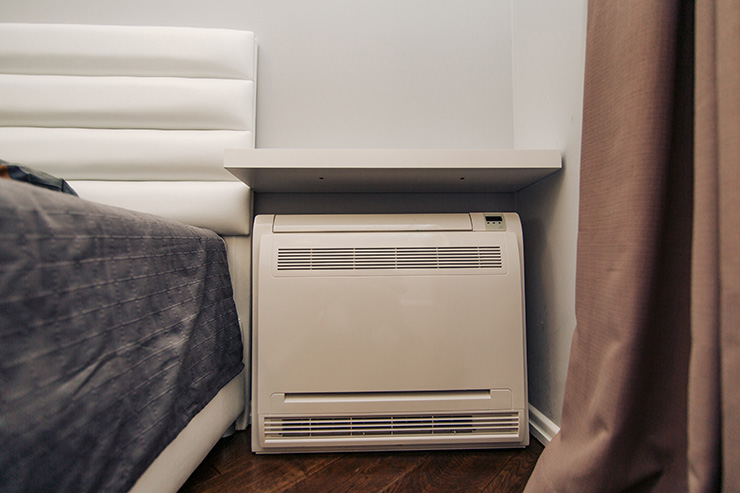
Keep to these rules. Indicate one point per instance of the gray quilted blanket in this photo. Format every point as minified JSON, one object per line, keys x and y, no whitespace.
{"x":116,"y":328}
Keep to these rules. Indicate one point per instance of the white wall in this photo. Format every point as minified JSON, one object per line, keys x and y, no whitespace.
{"x":548,"y":61}
{"x":414,"y":73}
{"x":337,"y":73}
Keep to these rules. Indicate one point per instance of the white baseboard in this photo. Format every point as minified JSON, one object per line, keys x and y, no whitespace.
{"x":540,"y":426}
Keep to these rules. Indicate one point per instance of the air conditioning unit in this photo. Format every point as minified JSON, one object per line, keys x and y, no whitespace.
{"x":388,"y":332}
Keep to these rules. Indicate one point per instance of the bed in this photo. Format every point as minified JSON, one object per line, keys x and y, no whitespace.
{"x":124,"y":321}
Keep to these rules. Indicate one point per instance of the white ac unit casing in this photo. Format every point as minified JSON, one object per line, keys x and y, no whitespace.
{"x":388,"y":332}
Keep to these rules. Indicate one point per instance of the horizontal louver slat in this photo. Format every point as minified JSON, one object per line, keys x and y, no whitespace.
{"x":364,"y":258}
{"x":502,"y":423}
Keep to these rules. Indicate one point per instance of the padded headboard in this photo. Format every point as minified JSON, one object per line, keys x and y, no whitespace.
{"x":107,"y":107}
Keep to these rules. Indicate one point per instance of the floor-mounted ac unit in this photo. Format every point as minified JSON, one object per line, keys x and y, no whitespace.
{"x":388,"y":332}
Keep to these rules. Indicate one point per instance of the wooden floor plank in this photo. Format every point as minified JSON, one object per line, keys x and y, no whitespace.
{"x":227,"y":454}
{"x":204,"y":473}
{"x":265,"y":473}
{"x":239,"y":468}
{"x":361,"y":472}
{"x":452,"y":471}
{"x":232,"y":466}
{"x":514,"y":476}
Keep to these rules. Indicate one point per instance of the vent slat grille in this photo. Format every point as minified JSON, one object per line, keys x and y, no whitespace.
{"x":364,"y":258}
{"x":501,"y":423}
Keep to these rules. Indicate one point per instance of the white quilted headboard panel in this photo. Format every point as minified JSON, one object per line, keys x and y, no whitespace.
{"x":125,"y":103}
{"x":111,"y":107}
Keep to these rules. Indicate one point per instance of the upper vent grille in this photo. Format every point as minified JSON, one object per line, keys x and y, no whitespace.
{"x":394,"y":258}
{"x":359,"y":427}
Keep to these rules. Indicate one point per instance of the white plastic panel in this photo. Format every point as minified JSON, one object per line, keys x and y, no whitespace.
{"x":361,"y":344}
{"x":378,"y":402}
{"x":67,"y":49}
{"x":341,"y":331}
{"x":296,"y":223}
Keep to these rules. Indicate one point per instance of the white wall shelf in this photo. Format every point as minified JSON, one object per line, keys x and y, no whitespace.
{"x":390,"y":170}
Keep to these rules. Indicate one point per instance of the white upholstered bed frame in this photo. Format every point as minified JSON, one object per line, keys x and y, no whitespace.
{"x":139,"y":117}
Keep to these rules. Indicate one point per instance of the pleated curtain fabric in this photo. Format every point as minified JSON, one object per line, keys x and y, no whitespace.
{"x":651,"y":399}
{"x":714,"y":372}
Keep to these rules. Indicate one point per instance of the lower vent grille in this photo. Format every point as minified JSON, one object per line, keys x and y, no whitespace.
{"x":499,"y":423}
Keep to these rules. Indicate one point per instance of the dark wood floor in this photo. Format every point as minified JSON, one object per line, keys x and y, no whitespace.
{"x":231,"y":466}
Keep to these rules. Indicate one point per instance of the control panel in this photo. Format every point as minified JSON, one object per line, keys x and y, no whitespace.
{"x":495,"y":222}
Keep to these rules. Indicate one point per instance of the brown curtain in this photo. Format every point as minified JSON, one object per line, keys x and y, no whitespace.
{"x":651,"y":399}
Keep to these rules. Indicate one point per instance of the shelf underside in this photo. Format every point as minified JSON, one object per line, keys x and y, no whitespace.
{"x":393,"y":171}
